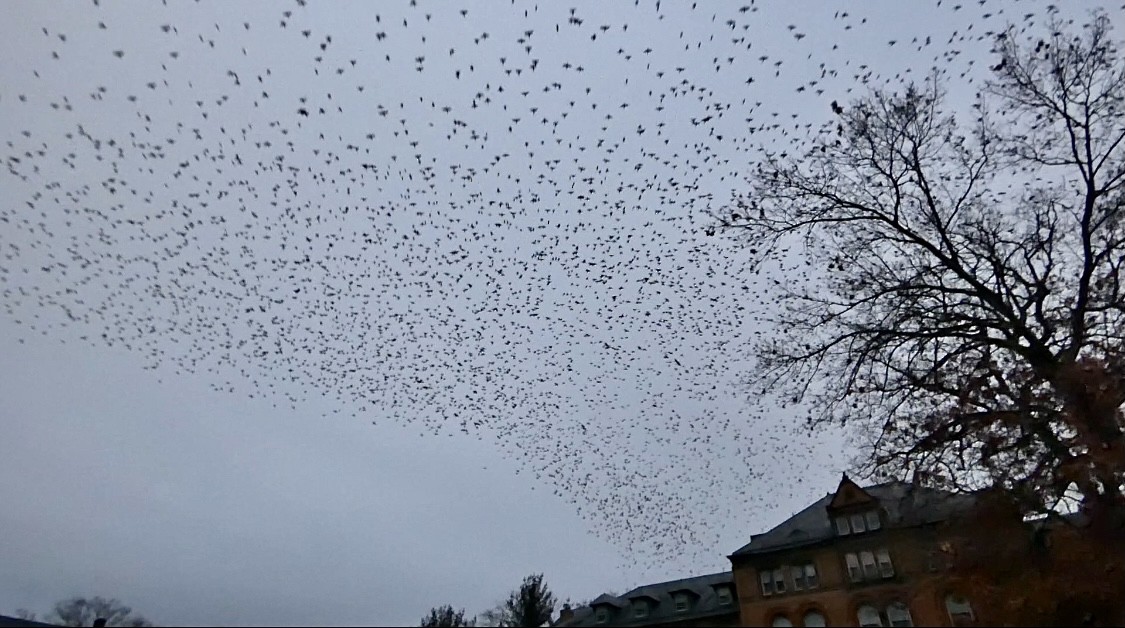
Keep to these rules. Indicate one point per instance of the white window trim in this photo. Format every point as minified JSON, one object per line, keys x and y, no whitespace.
{"x":765,"y":577}
{"x":842,"y":527}
{"x":858,"y":518}
{"x":870,"y":565}
{"x":904,"y":609}
{"x":873,"y":614}
{"x":812,"y":578}
{"x":874,"y":522}
{"x":886,"y":565}
{"x":855,"y":570}
{"x":823,"y":620}
{"x":779,"y":581}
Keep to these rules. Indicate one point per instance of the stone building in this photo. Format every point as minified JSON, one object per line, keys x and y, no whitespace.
{"x":859,"y":556}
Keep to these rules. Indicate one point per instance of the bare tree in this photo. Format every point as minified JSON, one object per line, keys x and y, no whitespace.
{"x":82,"y":611}
{"x":532,"y":605}
{"x":446,"y":617}
{"x":958,"y":290}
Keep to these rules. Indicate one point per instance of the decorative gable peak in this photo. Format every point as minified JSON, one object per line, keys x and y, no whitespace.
{"x":849,"y":496}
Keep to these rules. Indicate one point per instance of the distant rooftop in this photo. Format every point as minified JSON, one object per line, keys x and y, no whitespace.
{"x":16,"y":622}
{"x":660,"y":602}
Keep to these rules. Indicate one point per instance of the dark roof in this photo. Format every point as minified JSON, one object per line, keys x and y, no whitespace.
{"x":905,"y":505}
{"x":664,"y":610}
{"x":16,"y":622}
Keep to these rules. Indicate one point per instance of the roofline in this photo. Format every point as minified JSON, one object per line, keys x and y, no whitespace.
{"x":824,"y":541}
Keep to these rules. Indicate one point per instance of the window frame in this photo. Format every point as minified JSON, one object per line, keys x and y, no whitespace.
{"x":858,"y":517}
{"x":874,"y":520}
{"x":765,"y":578}
{"x":970,"y":615}
{"x":601,"y":615}
{"x":782,"y":617}
{"x":870,"y":565}
{"x":901,"y":606}
{"x":680,"y":602}
{"x":880,"y":555}
{"x":854,"y":569}
{"x":725,"y":595}
{"x":779,"y":581}
{"x":640,"y":608}
{"x":845,"y":529}
{"x":817,"y":612}
{"x":859,"y":612}
{"x":805,"y":576}
{"x":812,"y":576}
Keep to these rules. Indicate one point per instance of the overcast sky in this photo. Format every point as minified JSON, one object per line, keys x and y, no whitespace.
{"x":331,"y":328}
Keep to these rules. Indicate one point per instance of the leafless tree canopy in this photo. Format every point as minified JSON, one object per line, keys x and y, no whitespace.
{"x":962,"y":298}
{"x":82,"y":611}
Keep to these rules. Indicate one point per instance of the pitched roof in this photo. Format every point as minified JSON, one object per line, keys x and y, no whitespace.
{"x":905,"y":505}
{"x":664,"y":610}
{"x":16,"y":622}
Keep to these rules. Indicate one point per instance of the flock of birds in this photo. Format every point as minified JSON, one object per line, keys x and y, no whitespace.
{"x":490,"y":219}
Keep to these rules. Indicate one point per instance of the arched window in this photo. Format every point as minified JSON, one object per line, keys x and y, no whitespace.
{"x":781,"y":621}
{"x":869,"y":617}
{"x":814,"y":619}
{"x":899,"y":615}
{"x":960,"y":613}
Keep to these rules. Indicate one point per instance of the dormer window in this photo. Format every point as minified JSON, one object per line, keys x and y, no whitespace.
{"x":725,"y":596}
{"x":858,"y":523}
{"x":601,"y":615}
{"x":681,"y":601}
{"x":640,"y":609}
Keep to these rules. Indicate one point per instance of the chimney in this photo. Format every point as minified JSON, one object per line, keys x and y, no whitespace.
{"x":565,"y":615}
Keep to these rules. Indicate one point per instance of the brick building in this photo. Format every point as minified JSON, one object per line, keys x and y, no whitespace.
{"x":856,"y":557}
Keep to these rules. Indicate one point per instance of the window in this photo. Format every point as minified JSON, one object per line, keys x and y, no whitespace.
{"x":857,"y":524}
{"x":814,"y":619}
{"x":868,"y":617}
{"x":724,"y":595}
{"x":899,"y":614}
{"x":804,"y":577}
{"x":873,"y":522}
{"x":854,"y":572}
{"x":842,"y":526}
{"x":960,"y":613}
{"x":779,"y":580}
{"x":811,"y":580}
{"x":781,"y":621}
{"x":640,"y":609}
{"x":886,"y":569}
{"x":870,"y":569}
{"x":601,"y":615}
{"x":681,"y":600}
{"x":766,"y":577}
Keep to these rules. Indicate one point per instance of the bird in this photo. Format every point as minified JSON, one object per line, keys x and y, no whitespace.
{"x":499,"y":229}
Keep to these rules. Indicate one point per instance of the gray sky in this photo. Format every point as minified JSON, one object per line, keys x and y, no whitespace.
{"x":499,"y":259}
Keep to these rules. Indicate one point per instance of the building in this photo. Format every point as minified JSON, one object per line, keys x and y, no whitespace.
{"x":701,"y":601}
{"x":18,"y":622}
{"x":859,"y":556}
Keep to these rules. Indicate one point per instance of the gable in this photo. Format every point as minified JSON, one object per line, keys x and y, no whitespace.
{"x":849,"y":494}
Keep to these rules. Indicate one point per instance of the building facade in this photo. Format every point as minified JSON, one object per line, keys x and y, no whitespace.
{"x":859,"y":556}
